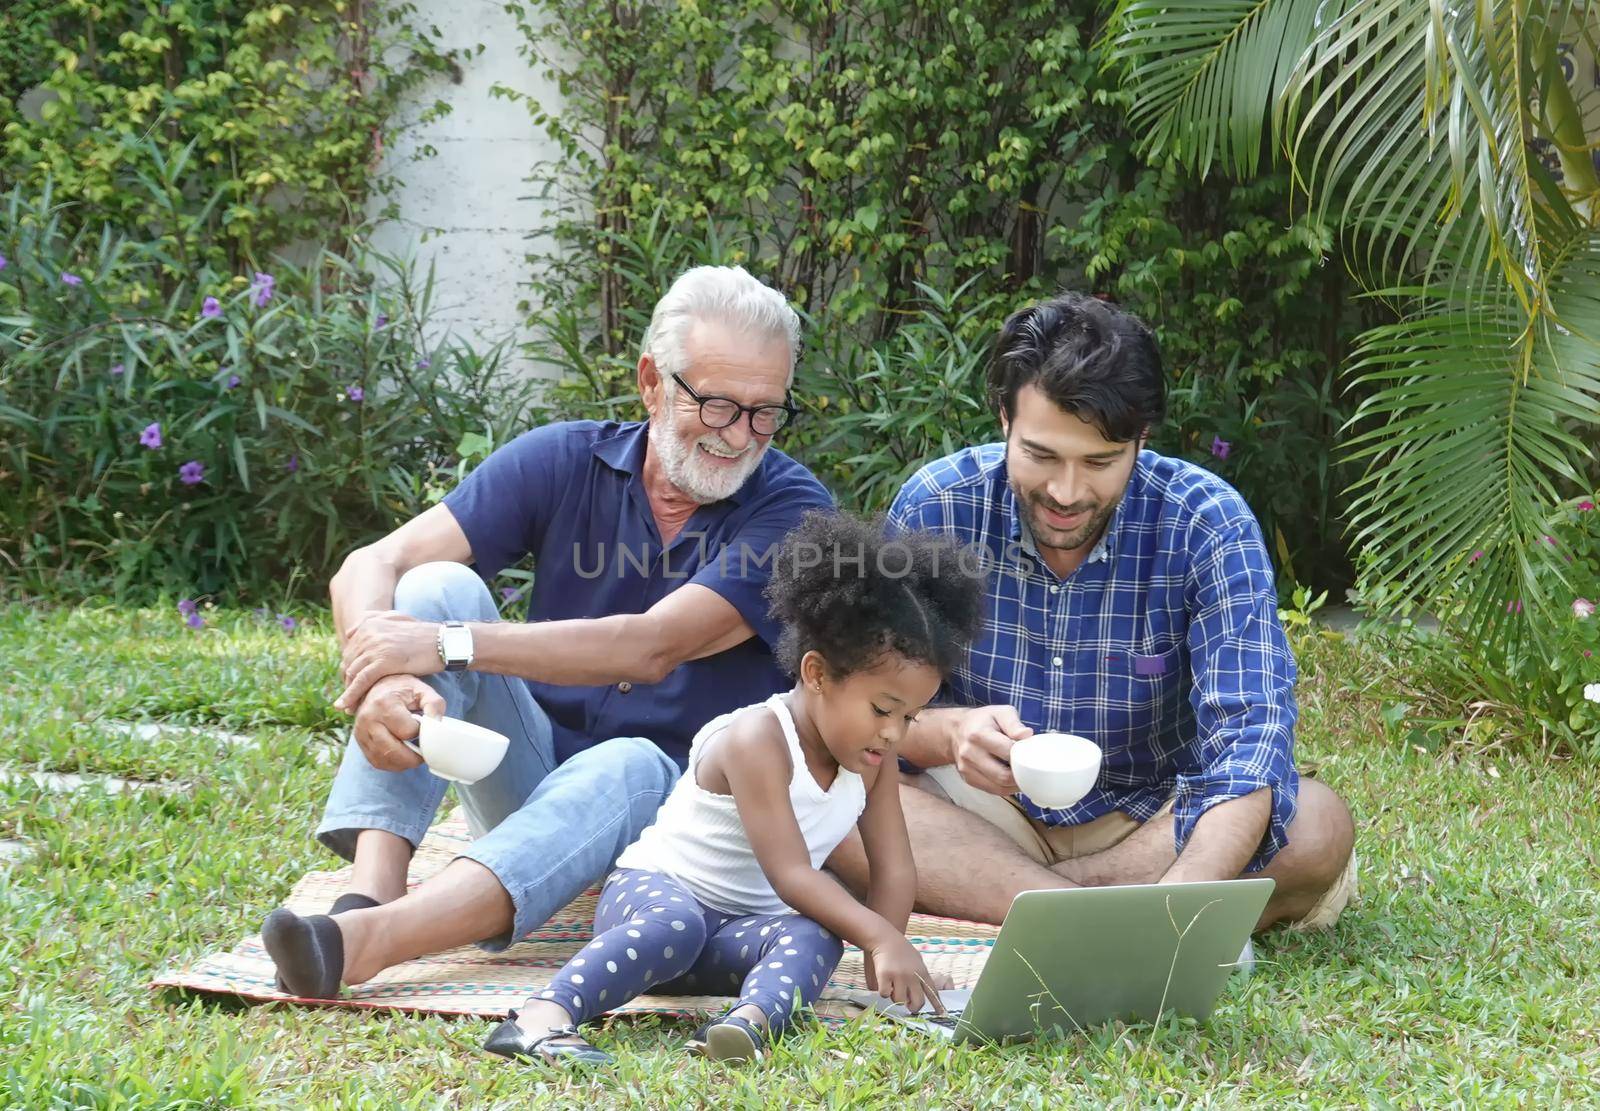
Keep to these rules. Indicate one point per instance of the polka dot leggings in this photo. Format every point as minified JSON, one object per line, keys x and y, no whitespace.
{"x":650,"y":932}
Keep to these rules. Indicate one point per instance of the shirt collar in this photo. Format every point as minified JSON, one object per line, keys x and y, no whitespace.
{"x":624,"y":451}
{"x":1021,"y":533}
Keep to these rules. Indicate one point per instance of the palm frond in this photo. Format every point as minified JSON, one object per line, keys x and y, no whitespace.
{"x":1480,"y":419}
{"x":1206,"y":73}
{"x":1412,"y":126}
{"x":1415,"y":122}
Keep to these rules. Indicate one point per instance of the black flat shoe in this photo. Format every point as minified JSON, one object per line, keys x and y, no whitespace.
{"x":308,"y":953}
{"x":348,"y":901}
{"x":732,"y":1038}
{"x":510,"y":1040}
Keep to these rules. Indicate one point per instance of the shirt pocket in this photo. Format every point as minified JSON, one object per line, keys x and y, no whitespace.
{"x":1141,"y":688}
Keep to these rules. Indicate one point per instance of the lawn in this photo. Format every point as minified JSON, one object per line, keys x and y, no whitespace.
{"x":1464,"y":976}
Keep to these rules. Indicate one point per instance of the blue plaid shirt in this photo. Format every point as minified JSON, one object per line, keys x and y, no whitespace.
{"x":1164,"y":647}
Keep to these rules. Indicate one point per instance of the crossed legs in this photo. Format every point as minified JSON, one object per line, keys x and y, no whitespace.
{"x":969,"y":867}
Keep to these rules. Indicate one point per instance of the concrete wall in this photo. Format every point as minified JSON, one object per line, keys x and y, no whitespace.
{"x":467,"y":209}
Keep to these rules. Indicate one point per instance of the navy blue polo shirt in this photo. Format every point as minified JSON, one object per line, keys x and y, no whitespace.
{"x":572,"y":495}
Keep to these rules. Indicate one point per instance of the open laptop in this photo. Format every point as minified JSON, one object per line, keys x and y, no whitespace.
{"x":1070,"y":959}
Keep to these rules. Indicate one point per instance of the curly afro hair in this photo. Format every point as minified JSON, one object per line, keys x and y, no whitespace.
{"x":844,"y":589}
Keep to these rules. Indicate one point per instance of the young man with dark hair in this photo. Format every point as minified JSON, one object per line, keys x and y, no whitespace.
{"x":1130,"y":601}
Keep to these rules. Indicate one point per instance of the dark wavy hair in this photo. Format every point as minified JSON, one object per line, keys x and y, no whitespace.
{"x":842,"y":588}
{"x":1090,"y":358}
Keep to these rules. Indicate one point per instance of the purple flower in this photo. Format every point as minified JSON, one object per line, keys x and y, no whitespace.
{"x":381,"y":322}
{"x":261,"y":292}
{"x":151,"y":436}
{"x":1550,"y":540}
{"x":118,"y":371}
{"x":423,"y":363}
{"x":1220,"y":447}
{"x":293,"y":464}
{"x":187,"y":607}
{"x":70,"y":278}
{"x":1585,"y":506}
{"x":211,"y":307}
{"x":192,"y":473}
{"x":289,"y":624}
{"x":1582,"y":609}
{"x":1514,"y":607}
{"x":355,"y":393}
{"x":233,"y":381}
{"x":1477,"y":555}
{"x":3,"y":262}
{"x":195,"y":621}
{"x":507,"y":593}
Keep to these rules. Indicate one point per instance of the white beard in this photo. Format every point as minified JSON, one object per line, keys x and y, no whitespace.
{"x":688,"y":470}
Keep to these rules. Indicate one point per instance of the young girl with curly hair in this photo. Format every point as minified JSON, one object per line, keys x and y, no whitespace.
{"x":725,"y":893}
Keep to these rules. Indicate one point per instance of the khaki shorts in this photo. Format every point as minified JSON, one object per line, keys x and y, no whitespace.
{"x":1049,"y":845}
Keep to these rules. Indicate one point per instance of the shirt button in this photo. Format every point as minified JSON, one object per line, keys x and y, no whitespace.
{"x":1055,"y":590}
{"x":626,"y":686}
{"x":1056,"y":661}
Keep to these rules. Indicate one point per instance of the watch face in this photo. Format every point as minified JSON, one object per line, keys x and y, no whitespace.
{"x":457,"y":643}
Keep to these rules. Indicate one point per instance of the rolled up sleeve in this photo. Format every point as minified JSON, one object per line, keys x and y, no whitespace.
{"x":1243,"y":693}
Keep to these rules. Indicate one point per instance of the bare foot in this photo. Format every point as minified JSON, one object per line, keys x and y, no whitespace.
{"x":361,"y":958}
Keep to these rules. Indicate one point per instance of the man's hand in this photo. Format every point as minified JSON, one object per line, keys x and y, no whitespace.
{"x":981,"y":749}
{"x":386,"y":642}
{"x":384,"y":720}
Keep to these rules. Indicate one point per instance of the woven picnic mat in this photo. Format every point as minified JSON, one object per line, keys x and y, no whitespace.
{"x":468,"y":981}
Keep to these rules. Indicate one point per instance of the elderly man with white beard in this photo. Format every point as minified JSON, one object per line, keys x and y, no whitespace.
{"x":651,"y":542}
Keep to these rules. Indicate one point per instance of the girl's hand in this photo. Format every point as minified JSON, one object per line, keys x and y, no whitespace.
{"x":941,"y":981}
{"x":902,"y":976}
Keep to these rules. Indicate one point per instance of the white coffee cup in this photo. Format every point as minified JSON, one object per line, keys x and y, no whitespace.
{"x":458,"y":750}
{"x":1055,"y":770}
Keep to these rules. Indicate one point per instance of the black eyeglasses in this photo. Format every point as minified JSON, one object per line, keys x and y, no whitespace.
{"x":723,"y":412}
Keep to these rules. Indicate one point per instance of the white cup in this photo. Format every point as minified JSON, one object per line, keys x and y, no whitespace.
{"x":1055,"y":770}
{"x":458,"y":750}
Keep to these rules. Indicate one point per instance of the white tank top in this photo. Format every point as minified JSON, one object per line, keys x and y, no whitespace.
{"x":698,"y":840}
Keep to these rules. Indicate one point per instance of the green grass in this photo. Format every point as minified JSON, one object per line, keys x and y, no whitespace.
{"x":1464,"y":976}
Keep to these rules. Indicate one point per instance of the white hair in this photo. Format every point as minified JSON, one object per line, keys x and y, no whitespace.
{"x":728,"y":295}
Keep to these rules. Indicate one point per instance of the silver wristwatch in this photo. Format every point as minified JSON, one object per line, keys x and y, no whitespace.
{"x":455,"y":646}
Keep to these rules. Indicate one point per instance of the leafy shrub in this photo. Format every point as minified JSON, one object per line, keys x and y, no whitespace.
{"x":222,"y":129}
{"x":237,"y":435}
{"x":872,"y":158}
{"x":1539,"y":688}
{"x":879,"y":413}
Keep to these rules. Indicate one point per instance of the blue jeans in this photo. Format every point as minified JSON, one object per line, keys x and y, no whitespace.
{"x":546,"y":832}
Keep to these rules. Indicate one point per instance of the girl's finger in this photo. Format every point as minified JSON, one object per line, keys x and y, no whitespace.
{"x":913,"y":994}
